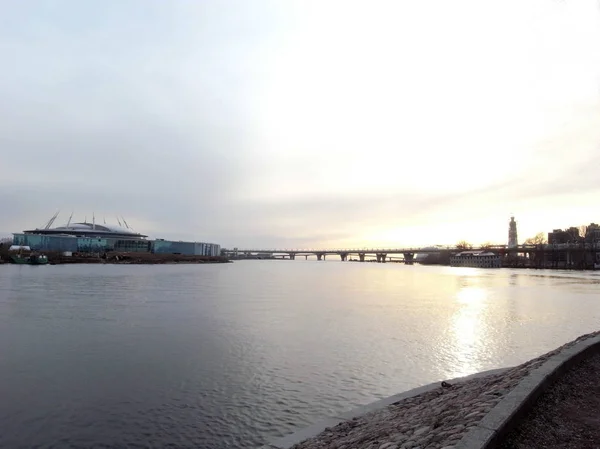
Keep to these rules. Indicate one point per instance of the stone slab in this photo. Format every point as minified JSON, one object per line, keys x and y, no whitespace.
{"x":507,"y":407}
{"x":476,"y":439}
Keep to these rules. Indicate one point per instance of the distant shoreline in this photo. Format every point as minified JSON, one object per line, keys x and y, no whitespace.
{"x":125,"y":259}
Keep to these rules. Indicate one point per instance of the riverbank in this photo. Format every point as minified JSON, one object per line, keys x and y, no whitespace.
{"x":441,"y":417}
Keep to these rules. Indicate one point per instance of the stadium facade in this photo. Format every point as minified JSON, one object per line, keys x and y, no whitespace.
{"x":99,"y":238}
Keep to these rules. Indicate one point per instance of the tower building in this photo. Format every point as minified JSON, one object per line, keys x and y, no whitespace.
{"x":513,"y":240}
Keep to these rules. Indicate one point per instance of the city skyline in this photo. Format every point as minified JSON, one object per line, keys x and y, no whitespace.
{"x":120,"y":221}
{"x":303,"y":124}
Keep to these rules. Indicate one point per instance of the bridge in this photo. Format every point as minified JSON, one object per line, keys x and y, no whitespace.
{"x":380,"y":254}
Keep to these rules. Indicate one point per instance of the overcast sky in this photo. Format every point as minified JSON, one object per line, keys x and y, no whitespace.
{"x":302,"y":123}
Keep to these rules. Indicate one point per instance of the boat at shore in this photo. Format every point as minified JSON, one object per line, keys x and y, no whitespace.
{"x":34,"y":259}
{"x":22,"y":255}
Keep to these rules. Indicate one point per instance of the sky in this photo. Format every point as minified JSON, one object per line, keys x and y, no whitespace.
{"x":302,"y":124}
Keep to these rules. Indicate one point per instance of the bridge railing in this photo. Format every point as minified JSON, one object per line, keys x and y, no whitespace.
{"x":334,"y":250}
{"x":352,"y":250}
{"x":550,"y":247}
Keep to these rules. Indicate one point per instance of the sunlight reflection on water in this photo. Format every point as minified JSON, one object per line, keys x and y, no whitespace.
{"x":469,"y":329}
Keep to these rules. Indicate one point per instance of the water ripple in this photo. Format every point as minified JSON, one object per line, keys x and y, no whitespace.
{"x":230,"y":356}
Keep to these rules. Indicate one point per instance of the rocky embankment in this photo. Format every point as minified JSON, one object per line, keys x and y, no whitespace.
{"x":435,"y":419}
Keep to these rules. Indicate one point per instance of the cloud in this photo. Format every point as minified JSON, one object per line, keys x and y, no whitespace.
{"x":298,"y":123}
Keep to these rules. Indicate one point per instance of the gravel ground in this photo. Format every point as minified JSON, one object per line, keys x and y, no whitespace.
{"x":433,"y":420}
{"x":567,"y":416}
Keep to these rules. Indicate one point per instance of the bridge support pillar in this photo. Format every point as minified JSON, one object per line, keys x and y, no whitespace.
{"x":292,"y":256}
{"x":320,"y":256}
{"x":344,"y":256}
{"x":306,"y":257}
{"x":409,"y":257}
{"x":381,"y":257}
{"x":361,"y":257}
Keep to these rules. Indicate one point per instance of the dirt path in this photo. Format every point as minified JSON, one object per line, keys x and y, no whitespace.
{"x":567,"y":416}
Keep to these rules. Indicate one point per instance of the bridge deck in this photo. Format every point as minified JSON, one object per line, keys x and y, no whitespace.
{"x":304,"y":251}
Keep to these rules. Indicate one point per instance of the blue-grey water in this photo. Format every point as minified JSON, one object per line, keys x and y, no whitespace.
{"x":221,"y":356}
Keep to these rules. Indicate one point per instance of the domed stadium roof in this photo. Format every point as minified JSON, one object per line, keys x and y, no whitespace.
{"x":89,"y":230}
{"x":94,"y":227}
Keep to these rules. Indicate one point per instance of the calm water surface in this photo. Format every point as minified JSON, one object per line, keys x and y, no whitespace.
{"x":216,"y":356}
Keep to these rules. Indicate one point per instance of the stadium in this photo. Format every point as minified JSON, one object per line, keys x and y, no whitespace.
{"x":85,"y":237}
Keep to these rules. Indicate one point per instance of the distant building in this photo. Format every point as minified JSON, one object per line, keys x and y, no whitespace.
{"x":95,"y":238}
{"x":265,"y":256}
{"x":84,"y":238}
{"x":567,"y":241}
{"x":592,"y":234}
{"x":476,"y":259}
{"x":561,"y":236}
{"x":420,"y":257}
{"x":162,"y":246}
{"x":513,"y":240}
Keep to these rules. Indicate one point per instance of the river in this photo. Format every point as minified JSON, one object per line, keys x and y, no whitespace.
{"x":232,"y":355}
